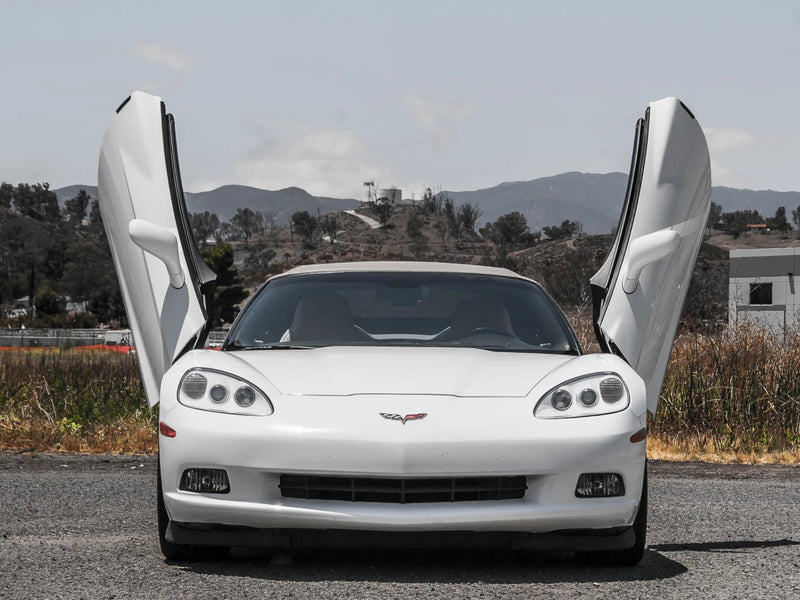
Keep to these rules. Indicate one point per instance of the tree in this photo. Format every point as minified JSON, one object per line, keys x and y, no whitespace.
{"x":258,"y":262}
{"x":47,"y":302}
{"x":566,"y":230}
{"x":414,"y":226}
{"x":247,"y":223}
{"x":383,"y":210}
{"x":229,"y":292}
{"x":796,"y":217}
{"x":95,"y":216}
{"x":468,"y":215}
{"x":779,"y":221}
{"x":305,"y":225}
{"x":329,"y":225}
{"x":507,"y":231}
{"x":75,"y":208}
{"x":432,"y":202}
{"x":714,"y":215}
{"x":37,"y":202}
{"x":204,"y":226}
{"x":736,"y":222}
{"x":451,"y":220}
{"x":6,"y":194}
{"x":271,"y":226}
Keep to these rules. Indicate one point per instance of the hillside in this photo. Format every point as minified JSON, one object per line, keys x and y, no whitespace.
{"x":563,"y":267}
{"x":594,"y":200}
{"x":356,"y":241}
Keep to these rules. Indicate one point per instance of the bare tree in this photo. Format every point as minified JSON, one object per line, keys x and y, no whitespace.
{"x":271,"y":226}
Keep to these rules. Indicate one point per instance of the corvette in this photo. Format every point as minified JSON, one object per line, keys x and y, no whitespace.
{"x":403,"y":403}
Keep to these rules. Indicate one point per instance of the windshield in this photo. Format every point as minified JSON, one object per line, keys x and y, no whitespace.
{"x":402,"y":309}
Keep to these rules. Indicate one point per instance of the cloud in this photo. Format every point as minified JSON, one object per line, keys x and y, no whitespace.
{"x":722,"y":175}
{"x":438,"y":120}
{"x":323,"y":161}
{"x":725,"y":140}
{"x":737,"y":155}
{"x":166,"y":57}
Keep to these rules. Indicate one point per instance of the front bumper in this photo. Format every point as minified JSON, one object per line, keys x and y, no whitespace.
{"x":312,"y":437}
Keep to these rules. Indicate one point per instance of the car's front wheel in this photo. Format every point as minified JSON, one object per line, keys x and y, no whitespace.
{"x":181,"y":552}
{"x":628,"y":557}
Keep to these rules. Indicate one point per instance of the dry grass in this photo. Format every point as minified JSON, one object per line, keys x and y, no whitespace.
{"x":701,"y":450}
{"x":732,"y":397}
{"x":74,"y":402}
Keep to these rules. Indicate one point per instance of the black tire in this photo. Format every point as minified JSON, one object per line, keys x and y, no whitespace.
{"x":630,"y":556}
{"x":182,"y":552}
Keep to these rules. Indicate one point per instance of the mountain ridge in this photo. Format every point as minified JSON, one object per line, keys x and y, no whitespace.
{"x":593,"y":199}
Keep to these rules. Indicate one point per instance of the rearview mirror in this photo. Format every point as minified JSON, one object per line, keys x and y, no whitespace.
{"x":646,"y":250}
{"x":162,"y":244}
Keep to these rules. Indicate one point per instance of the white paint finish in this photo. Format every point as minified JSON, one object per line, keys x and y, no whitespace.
{"x":162,"y":244}
{"x":346,"y":435}
{"x":645,"y":251}
{"x":479,"y":404}
{"x":674,"y":196}
{"x":133,"y":184}
{"x":462,"y":372}
{"x":402,"y":266}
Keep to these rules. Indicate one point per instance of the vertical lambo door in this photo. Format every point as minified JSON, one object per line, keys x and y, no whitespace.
{"x":639,"y":291}
{"x":166,"y":286}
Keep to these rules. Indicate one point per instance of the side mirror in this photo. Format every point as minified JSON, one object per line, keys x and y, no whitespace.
{"x":646,"y":250}
{"x":162,"y":244}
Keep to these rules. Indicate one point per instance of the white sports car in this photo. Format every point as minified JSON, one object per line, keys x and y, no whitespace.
{"x":403,"y":403}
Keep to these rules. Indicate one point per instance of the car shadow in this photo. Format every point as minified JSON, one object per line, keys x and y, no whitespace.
{"x":430,"y":566}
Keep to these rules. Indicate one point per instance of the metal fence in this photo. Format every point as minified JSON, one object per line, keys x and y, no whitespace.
{"x":52,"y":337}
{"x":56,"y":338}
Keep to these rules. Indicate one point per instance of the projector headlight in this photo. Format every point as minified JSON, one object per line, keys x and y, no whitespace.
{"x":217,"y":391}
{"x":597,"y":394}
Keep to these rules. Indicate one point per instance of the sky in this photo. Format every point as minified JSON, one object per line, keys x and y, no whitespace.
{"x":455,"y":95}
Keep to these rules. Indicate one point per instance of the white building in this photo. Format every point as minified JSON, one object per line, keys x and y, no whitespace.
{"x":762,"y":288}
{"x":392,"y":195}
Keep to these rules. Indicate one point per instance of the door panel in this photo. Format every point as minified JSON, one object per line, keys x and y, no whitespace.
{"x":640,"y":290}
{"x":165,"y":284}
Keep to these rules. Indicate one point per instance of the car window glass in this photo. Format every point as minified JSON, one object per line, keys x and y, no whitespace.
{"x":414,"y":309}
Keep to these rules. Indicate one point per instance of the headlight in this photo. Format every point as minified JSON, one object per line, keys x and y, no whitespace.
{"x":208,"y":389}
{"x":598,"y":394}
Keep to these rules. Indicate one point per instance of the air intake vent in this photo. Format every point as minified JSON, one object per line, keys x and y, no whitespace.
{"x":402,"y":491}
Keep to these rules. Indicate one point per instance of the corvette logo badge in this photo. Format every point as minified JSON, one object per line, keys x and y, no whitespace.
{"x":403,"y":419}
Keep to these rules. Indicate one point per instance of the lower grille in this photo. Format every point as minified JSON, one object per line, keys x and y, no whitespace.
{"x":402,"y":491}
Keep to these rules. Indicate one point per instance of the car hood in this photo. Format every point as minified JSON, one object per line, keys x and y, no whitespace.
{"x":348,"y":371}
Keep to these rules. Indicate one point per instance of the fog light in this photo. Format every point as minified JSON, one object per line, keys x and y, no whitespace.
{"x":208,"y":481}
{"x":599,"y":485}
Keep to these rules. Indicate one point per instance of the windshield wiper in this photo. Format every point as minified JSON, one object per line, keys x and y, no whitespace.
{"x":269,"y":347}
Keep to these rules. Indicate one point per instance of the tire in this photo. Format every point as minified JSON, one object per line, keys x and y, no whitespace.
{"x":628,"y":557}
{"x":181,"y":552}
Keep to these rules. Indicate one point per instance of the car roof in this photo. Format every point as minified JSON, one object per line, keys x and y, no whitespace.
{"x":401,"y":267}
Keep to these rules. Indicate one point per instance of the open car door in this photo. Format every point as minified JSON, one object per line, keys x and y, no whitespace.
{"x":166,"y":286}
{"x":638,"y":293}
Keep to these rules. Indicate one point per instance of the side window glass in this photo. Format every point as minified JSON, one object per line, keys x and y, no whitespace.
{"x":760,"y":293}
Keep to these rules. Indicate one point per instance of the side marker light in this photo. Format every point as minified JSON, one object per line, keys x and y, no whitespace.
{"x":639,"y":436}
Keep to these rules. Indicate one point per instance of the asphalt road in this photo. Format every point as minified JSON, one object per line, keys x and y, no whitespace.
{"x":84,"y":527}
